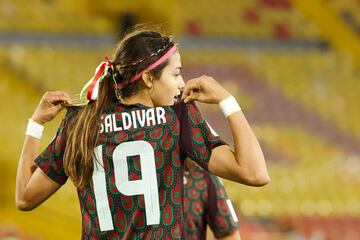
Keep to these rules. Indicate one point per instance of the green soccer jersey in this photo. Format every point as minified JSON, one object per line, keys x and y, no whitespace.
{"x":136,"y":190}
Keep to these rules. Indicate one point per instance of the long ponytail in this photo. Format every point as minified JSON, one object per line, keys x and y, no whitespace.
{"x":82,"y":134}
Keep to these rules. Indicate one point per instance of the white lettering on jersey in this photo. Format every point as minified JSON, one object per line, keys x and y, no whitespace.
{"x":134,"y":119}
{"x":146,"y":186}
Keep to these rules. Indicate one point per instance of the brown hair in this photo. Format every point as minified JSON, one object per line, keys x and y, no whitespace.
{"x":134,"y":53}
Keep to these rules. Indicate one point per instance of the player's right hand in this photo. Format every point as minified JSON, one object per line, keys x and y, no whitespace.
{"x":50,"y":105}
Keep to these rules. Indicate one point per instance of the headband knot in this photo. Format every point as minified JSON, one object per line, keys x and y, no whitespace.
{"x":92,"y":86}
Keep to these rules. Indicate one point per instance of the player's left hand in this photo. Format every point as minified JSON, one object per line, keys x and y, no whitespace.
{"x":204,"y":89}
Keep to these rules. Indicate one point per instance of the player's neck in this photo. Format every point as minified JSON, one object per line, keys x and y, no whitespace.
{"x":142,"y":98}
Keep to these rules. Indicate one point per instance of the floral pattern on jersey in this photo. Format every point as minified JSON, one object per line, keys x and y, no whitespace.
{"x":196,"y":138}
{"x":171,"y":142}
{"x":203,"y":205}
{"x":50,"y":160}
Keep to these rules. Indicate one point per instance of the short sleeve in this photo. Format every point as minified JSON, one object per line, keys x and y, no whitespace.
{"x":197,"y":138}
{"x":50,"y":161}
{"x":221,"y":216}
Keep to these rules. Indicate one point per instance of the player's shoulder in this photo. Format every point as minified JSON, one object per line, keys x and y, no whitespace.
{"x":69,"y":115}
{"x":188,"y":111}
{"x":181,"y":107}
{"x":70,"y":111}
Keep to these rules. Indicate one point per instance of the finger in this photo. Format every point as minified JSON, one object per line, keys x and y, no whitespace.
{"x":186,"y":90}
{"x":56,"y":93}
{"x":189,"y":99}
{"x":194,"y":95}
{"x":57,"y":108}
{"x":58,"y":98}
{"x":63,"y":94}
{"x":191,"y":85}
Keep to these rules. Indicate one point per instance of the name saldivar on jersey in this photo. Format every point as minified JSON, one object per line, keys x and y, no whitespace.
{"x":134,"y":119}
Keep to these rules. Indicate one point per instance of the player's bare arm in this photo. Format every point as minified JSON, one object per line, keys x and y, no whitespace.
{"x":247,"y":163}
{"x":32,"y":185}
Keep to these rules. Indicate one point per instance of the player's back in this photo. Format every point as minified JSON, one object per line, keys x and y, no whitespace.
{"x":135,"y":190}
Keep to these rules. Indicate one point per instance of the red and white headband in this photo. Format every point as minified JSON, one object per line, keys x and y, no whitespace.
{"x":92,"y":86}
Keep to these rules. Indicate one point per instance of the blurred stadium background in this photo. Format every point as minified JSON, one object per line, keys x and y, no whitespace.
{"x":293,"y":65}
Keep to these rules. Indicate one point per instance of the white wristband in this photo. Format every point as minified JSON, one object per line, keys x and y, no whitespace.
{"x":34,"y":129}
{"x":229,"y":106}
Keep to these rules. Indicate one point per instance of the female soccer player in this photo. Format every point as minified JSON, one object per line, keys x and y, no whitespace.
{"x":124,"y":149}
{"x":206,"y":205}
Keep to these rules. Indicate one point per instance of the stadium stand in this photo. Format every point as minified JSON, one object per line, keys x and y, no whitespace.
{"x":247,"y":19}
{"x":301,"y":100}
{"x":51,"y":16}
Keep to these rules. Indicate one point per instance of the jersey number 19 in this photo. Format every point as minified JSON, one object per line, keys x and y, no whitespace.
{"x":146,"y":186}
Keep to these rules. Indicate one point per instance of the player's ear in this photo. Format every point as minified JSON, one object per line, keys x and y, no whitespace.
{"x":148,"y":79}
